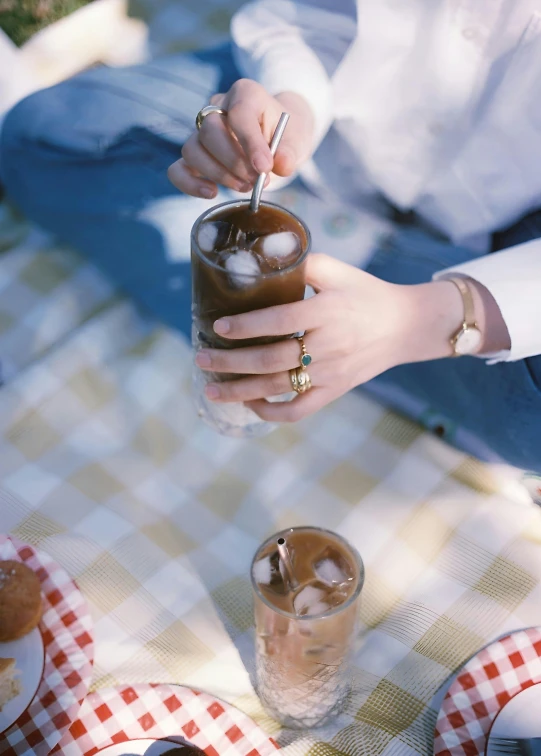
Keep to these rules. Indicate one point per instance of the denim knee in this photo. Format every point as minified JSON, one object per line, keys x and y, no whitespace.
{"x":39,"y":132}
{"x":17,"y":133}
{"x":50,"y":119}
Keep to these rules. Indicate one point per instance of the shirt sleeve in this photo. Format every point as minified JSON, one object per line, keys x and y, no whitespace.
{"x":295,"y":46}
{"x":513,"y":277}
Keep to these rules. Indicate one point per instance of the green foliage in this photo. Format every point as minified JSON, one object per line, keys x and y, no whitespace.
{"x":19,"y":19}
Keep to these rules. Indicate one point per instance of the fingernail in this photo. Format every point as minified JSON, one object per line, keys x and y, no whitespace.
{"x":207,"y":192}
{"x":261,"y":163}
{"x":244,"y":187}
{"x":202,"y":359}
{"x":212,"y":391}
{"x":222,"y":326}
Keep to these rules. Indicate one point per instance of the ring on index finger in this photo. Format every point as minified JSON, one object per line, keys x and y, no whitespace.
{"x":207,"y":110}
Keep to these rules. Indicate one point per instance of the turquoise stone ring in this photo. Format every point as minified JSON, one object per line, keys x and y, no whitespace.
{"x":306,"y":359}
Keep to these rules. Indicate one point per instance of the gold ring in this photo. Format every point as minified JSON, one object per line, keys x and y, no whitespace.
{"x":300,"y":380}
{"x":207,"y":110}
{"x":306,"y":359}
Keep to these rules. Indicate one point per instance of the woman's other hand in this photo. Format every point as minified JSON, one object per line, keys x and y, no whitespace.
{"x":232,"y":150}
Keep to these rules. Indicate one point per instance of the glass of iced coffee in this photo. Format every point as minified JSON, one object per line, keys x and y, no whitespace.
{"x":241,"y":261}
{"x":306,"y":628}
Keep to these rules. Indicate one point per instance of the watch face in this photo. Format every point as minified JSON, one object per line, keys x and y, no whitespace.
{"x":468,"y":341}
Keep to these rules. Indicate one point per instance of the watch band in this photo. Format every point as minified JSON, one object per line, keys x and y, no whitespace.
{"x":467,"y":299}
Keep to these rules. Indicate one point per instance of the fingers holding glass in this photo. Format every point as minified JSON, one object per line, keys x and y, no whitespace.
{"x":281,"y":320}
{"x":246,"y":389}
{"x":251,"y":387}
{"x":272,"y":358}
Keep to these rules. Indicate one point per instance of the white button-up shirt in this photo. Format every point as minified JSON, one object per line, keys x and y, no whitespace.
{"x":437,"y":105}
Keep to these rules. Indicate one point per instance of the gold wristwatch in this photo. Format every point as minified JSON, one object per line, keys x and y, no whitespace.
{"x":468,"y":338}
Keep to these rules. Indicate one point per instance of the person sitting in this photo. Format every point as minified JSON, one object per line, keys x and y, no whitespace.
{"x":431,"y":109}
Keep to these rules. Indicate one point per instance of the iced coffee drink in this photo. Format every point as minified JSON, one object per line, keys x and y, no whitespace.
{"x":306,"y":628}
{"x":241,"y":261}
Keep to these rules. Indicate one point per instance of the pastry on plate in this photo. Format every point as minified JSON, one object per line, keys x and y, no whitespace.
{"x":9,"y":685}
{"x":20,"y":600}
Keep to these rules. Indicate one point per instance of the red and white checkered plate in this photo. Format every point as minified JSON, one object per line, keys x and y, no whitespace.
{"x":483,"y":687}
{"x":66,"y":632}
{"x":142,"y":713}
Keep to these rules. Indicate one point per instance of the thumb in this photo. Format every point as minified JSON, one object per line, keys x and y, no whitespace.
{"x":294,"y":146}
{"x":297,"y":141}
{"x":325,"y":273}
{"x":287,"y":156}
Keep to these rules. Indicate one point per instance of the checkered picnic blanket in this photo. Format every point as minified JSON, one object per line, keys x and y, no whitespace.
{"x":105,"y":466}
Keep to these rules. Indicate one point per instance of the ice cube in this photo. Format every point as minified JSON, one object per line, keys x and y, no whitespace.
{"x":281,"y":246}
{"x":207,"y":236}
{"x":332,"y":568}
{"x":242,"y":267}
{"x":329,"y":572}
{"x":262,"y":571}
{"x":310,"y":600}
{"x":269,"y":571}
{"x":277,"y":580}
{"x":217,"y":235}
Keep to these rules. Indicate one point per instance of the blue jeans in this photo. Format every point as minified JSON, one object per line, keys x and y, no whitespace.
{"x":87,"y":160}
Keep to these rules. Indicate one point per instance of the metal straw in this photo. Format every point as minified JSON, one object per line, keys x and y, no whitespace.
{"x":286,"y":561}
{"x":275,"y":141}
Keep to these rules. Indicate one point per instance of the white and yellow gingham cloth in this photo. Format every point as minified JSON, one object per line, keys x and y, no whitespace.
{"x":105,"y":465}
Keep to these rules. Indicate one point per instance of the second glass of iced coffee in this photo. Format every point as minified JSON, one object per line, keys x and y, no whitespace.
{"x":306,"y":617}
{"x":241,"y":261}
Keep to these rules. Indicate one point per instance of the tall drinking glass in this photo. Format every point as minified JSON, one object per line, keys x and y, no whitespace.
{"x":241,"y":261}
{"x":306,"y":633}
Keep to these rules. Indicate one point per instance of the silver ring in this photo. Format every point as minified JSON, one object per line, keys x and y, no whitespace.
{"x":207,"y":110}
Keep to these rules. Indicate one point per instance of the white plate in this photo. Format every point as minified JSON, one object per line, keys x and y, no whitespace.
{"x":519,"y":718}
{"x":29,"y":654}
{"x":139,"y":748}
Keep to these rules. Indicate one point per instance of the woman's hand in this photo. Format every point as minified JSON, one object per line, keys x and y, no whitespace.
{"x":356,"y":327}
{"x":233,"y":150}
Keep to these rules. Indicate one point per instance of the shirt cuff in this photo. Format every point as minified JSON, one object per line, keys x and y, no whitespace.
{"x":512,"y":276}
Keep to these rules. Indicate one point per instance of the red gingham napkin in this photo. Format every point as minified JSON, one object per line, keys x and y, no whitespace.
{"x":66,"y":629}
{"x":485,"y":685}
{"x":115,"y":715}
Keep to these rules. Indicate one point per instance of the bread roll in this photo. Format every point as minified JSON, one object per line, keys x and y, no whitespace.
{"x":20,"y":600}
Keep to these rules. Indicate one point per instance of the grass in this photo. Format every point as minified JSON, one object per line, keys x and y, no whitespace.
{"x":21,"y":18}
